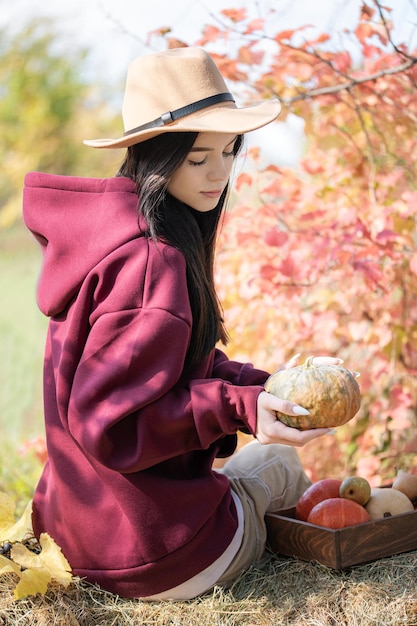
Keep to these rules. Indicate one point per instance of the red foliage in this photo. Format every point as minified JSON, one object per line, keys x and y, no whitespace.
{"x":321,"y":257}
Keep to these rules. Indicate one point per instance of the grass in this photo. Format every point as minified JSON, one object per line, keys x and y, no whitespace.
{"x":22,"y":333}
{"x":22,"y":337}
{"x":278,"y":592}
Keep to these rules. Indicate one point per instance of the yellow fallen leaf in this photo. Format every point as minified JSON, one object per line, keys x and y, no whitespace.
{"x":6,"y":565}
{"x":49,"y":560}
{"x":34,"y":570}
{"x":32,"y":582}
{"x":10,"y":529}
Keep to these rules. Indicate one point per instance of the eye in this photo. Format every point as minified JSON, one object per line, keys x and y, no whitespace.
{"x":229,"y":154}
{"x":197,"y":163}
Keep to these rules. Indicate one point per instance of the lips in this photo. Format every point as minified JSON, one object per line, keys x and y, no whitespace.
{"x":212,"y":194}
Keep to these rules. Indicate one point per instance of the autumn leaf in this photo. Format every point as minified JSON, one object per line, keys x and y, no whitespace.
{"x":268,"y":272}
{"x":6,"y":566}
{"x":371,"y":273}
{"x":320,"y":39}
{"x":275,"y":237}
{"x":34,"y":570}
{"x":10,"y":529}
{"x":243,"y":179}
{"x":285,"y":34}
{"x":161,"y":32}
{"x":210,"y":34}
{"x":367,"y":12}
{"x":343,"y":61}
{"x":257,"y":24}
{"x":235,"y":15}
{"x":49,"y":564}
{"x":175,"y":43}
{"x":31,"y":583}
{"x":288,"y":267}
{"x":413,"y":263}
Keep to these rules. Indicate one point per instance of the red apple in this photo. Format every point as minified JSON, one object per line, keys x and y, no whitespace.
{"x":338,"y":513}
{"x":317,"y":492}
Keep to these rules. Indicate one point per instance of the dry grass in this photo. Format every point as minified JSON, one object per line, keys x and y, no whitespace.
{"x":280,"y":592}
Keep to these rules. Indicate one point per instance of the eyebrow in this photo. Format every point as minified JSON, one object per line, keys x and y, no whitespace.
{"x":201,"y":149}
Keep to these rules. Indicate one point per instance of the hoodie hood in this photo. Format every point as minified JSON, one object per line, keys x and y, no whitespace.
{"x":78,"y":222}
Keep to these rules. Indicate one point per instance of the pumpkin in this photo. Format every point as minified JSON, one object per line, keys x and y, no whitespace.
{"x":338,"y":513}
{"x":386,"y":501}
{"x":406,"y":483}
{"x":317,"y":492}
{"x":329,"y":392}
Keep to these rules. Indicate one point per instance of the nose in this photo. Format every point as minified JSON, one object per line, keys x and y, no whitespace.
{"x":220,"y":170}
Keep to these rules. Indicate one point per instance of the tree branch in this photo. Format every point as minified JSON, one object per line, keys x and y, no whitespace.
{"x":321,"y":91}
{"x":388,"y":32}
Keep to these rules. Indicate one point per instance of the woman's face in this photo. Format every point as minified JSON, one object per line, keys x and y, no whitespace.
{"x":202,"y":177}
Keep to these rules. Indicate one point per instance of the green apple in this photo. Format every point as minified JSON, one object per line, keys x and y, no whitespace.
{"x":355,"y":488}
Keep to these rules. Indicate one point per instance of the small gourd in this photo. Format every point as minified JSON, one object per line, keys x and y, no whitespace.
{"x":386,"y":501}
{"x":329,"y":392}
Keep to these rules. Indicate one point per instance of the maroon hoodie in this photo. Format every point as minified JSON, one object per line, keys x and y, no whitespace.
{"x":128,"y":492}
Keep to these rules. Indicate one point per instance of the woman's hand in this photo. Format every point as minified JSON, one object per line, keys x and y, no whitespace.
{"x":271,"y":430}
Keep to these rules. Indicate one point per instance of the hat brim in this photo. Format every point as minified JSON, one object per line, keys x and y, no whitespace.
{"x":219,"y":119}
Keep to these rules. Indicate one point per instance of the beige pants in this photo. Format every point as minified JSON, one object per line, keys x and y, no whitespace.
{"x":267,"y":478}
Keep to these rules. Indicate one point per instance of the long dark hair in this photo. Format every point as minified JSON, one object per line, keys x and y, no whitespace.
{"x":151,"y":164}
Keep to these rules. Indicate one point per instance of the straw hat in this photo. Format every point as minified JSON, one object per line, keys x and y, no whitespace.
{"x":182,"y":90}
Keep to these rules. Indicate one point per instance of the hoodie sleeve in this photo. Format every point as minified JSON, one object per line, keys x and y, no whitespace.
{"x":128,"y":406}
{"x":237,"y":373}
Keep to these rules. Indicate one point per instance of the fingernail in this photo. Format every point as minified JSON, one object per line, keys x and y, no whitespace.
{"x":332,"y":431}
{"x":340,"y":360}
{"x":295,"y":356}
{"x":299,"y":410}
{"x":356,"y":374}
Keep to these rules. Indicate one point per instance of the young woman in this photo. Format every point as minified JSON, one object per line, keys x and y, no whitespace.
{"x":139,"y":401}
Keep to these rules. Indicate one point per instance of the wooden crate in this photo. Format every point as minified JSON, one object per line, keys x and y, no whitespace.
{"x":343,"y":547}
